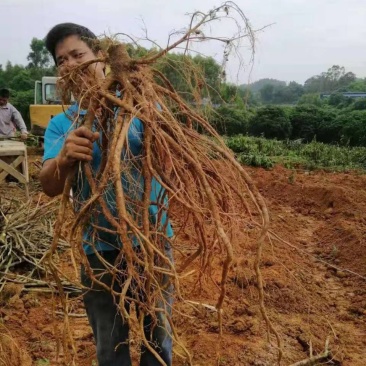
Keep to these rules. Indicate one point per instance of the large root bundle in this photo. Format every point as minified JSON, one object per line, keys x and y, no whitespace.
{"x":196,"y":170}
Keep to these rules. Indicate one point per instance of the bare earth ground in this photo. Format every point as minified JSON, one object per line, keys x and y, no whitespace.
{"x":315,"y":284}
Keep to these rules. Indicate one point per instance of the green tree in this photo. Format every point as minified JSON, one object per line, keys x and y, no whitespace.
{"x":256,"y":86}
{"x":9,"y":73}
{"x":230,"y":121}
{"x":315,"y":84}
{"x":271,"y":122}
{"x":136,"y":51}
{"x":266,"y":93}
{"x":353,"y":127}
{"x":358,"y":85}
{"x":281,"y":93}
{"x":338,"y":99}
{"x":38,"y":57}
{"x":21,"y":101}
{"x":333,"y":76}
{"x":359,"y":104}
{"x":230,"y":92}
{"x":22,"y":81}
{"x":210,"y":69}
{"x":331,"y":80}
{"x":249,"y":98}
{"x":346,"y":79}
{"x":328,"y":129}
{"x":295,"y":90}
{"x":311,"y":98}
{"x":310,"y":121}
{"x":190,"y":75}
{"x":304,"y":120}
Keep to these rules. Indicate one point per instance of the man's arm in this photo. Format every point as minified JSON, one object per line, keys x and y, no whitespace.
{"x":78,"y":147}
{"x":17,"y":119}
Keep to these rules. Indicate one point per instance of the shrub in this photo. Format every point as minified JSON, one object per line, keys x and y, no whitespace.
{"x":271,"y":122}
{"x":230,"y":121}
{"x":309,"y":122}
{"x":360,"y":104}
{"x":353,"y":127}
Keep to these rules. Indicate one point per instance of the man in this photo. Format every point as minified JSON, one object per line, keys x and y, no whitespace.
{"x":10,"y":117}
{"x":65,"y":147}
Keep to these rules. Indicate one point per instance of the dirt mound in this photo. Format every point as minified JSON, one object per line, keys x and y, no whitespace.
{"x":343,"y":243}
{"x":314,"y":269}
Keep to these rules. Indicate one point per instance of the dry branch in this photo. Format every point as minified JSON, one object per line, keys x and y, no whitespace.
{"x":314,"y":360}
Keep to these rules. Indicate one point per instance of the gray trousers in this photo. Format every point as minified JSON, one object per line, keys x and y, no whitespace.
{"x":110,"y":331}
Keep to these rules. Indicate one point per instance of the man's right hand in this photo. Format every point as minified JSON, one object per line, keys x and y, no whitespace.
{"x":24,"y":136}
{"x":78,"y":147}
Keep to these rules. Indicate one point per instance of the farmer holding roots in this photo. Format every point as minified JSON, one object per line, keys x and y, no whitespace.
{"x":68,"y":144}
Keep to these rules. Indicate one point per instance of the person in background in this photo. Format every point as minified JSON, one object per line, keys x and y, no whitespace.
{"x":10,"y":118}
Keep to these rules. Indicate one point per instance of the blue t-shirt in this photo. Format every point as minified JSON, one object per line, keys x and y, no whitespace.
{"x":98,"y":232}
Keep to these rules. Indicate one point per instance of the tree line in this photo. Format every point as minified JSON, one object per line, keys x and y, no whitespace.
{"x":299,"y":112}
{"x":267,"y":107}
{"x":342,"y":125}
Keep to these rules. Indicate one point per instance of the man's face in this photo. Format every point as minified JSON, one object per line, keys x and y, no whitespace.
{"x":3,"y":101}
{"x":71,"y":52}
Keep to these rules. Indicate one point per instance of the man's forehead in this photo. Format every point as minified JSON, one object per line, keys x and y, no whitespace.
{"x":70,"y":44}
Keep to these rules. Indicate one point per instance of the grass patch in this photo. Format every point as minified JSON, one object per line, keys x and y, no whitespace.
{"x":258,"y":151}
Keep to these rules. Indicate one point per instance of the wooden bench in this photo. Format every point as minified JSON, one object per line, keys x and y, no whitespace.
{"x":12,"y":155}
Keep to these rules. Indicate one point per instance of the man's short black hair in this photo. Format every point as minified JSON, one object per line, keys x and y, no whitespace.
{"x":61,"y":31}
{"x":4,"y":93}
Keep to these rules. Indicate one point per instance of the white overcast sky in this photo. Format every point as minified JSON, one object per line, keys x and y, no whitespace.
{"x":307,"y":37}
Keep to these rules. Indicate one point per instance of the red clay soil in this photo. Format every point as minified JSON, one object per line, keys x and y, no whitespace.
{"x":315,"y":285}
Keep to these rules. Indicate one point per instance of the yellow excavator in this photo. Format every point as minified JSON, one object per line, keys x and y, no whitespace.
{"x":46,"y":105}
